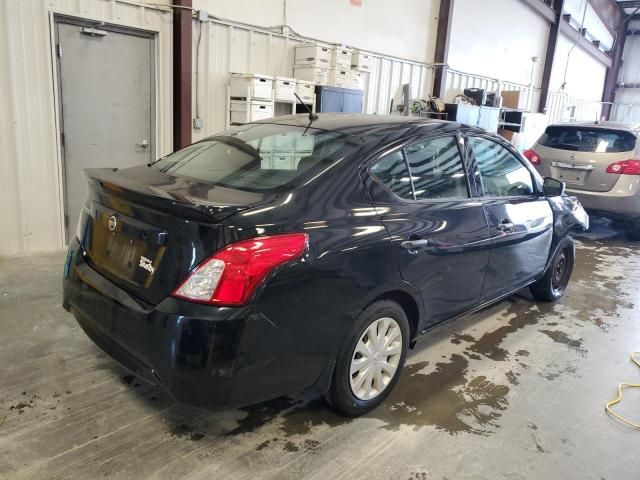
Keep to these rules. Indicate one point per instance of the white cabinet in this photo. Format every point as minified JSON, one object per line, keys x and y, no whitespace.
{"x":488,"y":118}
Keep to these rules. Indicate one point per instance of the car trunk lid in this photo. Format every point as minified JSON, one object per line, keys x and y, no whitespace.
{"x":145,"y":230}
{"x":580,"y":170}
{"x":580,"y":154}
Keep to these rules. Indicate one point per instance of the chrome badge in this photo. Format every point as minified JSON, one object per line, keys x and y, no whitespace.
{"x":146,"y":264}
{"x":113,"y":223}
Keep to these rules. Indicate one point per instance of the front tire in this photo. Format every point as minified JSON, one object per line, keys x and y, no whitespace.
{"x":552,"y":285}
{"x":370,"y":361}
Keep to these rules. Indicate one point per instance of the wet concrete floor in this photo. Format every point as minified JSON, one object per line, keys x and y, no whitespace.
{"x":516,"y":391}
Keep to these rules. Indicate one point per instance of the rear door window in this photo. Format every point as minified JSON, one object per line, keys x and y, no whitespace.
{"x":431,"y":169}
{"x":437,"y":170}
{"x":259,"y":157}
{"x":391,"y":170}
{"x":588,"y":139}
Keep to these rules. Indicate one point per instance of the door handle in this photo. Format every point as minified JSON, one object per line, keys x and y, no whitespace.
{"x":505,"y":226}
{"x":144,"y":144}
{"x":413,"y":245}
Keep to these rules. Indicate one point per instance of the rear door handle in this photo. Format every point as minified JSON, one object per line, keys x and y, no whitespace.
{"x":413,"y":245}
{"x":505,"y":226}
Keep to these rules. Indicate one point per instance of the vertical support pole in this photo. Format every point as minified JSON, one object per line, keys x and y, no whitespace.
{"x":182,"y":73}
{"x":611,"y":80}
{"x":443,"y":36}
{"x":552,"y":42}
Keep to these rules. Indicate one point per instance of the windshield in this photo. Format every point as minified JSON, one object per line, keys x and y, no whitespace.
{"x":259,"y":157}
{"x":585,"y":139}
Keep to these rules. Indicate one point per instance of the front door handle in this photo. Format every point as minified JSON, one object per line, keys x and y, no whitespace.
{"x":413,"y":245}
{"x":505,"y":226}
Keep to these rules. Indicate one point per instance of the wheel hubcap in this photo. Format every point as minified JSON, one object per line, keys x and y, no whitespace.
{"x":375,"y":358}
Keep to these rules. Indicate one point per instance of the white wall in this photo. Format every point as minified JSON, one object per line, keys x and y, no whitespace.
{"x":226,"y":48}
{"x":497,"y":38}
{"x":403,"y":29}
{"x":585,"y":75}
{"x":30,"y":164}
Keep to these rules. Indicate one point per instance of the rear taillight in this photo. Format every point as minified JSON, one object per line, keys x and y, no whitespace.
{"x":231,"y":275}
{"x":532,"y":156}
{"x":625,"y":167}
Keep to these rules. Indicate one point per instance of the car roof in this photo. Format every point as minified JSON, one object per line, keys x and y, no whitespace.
{"x":628,"y":127}
{"x":359,"y":124}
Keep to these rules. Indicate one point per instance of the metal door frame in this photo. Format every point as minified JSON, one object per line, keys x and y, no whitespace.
{"x":56,"y":20}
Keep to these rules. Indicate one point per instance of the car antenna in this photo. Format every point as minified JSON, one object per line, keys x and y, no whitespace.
{"x":312,"y":116}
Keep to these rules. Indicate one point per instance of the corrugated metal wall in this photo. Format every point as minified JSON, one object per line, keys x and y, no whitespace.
{"x":627,"y":104}
{"x":229,"y":47}
{"x":30,"y":182}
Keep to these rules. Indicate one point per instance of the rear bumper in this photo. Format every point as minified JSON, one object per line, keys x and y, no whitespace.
{"x":622,"y":202}
{"x":204,"y":356}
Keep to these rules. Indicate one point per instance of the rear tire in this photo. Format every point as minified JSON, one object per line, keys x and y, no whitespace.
{"x":371,"y":359}
{"x":552,"y":285}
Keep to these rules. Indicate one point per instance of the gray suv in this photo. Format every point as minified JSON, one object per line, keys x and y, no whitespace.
{"x":599,"y":162}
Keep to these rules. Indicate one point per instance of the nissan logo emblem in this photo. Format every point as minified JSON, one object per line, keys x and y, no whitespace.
{"x":113,"y":223}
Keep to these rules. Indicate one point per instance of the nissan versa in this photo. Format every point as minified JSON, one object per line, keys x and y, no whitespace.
{"x":299,"y":253}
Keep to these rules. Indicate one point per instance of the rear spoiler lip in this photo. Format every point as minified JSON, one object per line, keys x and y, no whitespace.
{"x":190,"y":211}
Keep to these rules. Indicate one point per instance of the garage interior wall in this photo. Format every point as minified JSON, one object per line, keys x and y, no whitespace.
{"x":246,"y":37}
{"x":627,"y":102}
{"x":404,"y":29}
{"x":30,"y":185}
{"x":497,"y":38}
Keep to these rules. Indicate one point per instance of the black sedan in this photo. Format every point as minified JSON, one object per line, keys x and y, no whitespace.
{"x":299,"y":253}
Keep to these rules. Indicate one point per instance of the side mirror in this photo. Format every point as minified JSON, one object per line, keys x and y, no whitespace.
{"x":552,"y":187}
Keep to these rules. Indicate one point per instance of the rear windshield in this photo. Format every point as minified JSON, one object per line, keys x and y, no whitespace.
{"x":259,"y":157}
{"x":585,"y":139}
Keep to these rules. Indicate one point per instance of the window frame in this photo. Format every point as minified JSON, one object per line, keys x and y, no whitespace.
{"x":537,"y":186}
{"x":459,"y":138}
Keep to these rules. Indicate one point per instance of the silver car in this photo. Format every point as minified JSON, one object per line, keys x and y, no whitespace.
{"x":599,"y":162}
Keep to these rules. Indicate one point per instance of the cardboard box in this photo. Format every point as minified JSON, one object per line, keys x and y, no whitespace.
{"x":516,"y":99}
{"x":512,"y":137}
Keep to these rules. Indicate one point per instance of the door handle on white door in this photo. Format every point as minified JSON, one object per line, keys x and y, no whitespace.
{"x":144,"y":144}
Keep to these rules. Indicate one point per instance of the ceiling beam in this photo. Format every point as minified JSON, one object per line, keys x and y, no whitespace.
{"x":443,"y":35}
{"x":542,"y":9}
{"x":585,"y":44}
{"x":609,"y":12}
{"x":629,"y":4}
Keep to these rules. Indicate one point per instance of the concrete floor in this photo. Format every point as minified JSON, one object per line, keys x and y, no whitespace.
{"x":516,"y":391}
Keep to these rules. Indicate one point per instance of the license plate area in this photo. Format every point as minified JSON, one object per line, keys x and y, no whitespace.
{"x":125,"y":247}
{"x":571,"y":176}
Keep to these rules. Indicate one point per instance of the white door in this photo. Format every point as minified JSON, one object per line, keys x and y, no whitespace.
{"x":106,"y":90}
